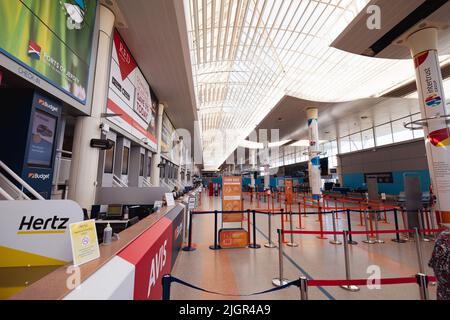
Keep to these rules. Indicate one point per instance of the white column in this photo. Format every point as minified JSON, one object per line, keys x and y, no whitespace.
{"x":181,"y":162}
{"x":266,"y":166}
{"x":312,"y":115}
{"x":84,"y":167}
{"x":157,"y":156}
{"x":424,"y":50}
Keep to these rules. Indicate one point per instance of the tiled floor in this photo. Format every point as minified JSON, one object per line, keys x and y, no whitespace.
{"x":244,"y":271}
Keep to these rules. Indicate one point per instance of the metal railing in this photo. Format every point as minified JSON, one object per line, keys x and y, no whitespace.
{"x":11,"y":189}
{"x":19,"y":180}
{"x":146,"y":183}
{"x":5,"y":195}
{"x":117,"y":182}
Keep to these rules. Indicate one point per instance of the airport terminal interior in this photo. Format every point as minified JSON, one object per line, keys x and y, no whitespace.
{"x":225,"y":150}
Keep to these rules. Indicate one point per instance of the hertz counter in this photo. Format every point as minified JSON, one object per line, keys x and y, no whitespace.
{"x":129,"y":268}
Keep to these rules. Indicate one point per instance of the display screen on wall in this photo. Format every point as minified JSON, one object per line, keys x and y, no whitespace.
{"x":43,"y":139}
{"x":130,"y":95}
{"x":52,"y":38}
{"x":109,"y":158}
{"x":125,"y":160}
{"x":382,"y":177}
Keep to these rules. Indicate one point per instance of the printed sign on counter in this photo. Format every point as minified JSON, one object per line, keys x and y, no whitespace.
{"x":191,"y":203}
{"x":83,"y":236}
{"x":170,"y":200}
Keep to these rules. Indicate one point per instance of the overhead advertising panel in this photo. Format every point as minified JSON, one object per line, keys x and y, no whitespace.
{"x":53,"y":39}
{"x":167,"y":137}
{"x":130,"y":95}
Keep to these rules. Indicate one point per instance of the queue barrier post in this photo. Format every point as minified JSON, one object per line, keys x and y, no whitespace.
{"x":368,"y":239}
{"x":189,"y":246}
{"x":377,"y":240}
{"x":282,"y":224}
{"x":321,"y":236}
{"x":303,"y":288}
{"x":350,"y":288}
{"x":215,"y":246}
{"x":280,"y":281}
{"x":300,"y":225}
{"x":422,"y":226}
{"x":349,"y":227}
{"x":422,"y":281}
{"x":397,"y":228}
{"x":270,"y":244}
{"x":292,"y":243}
{"x":335,"y":239}
{"x":254,"y":245}
{"x":166,"y":283}
{"x":419,"y":251}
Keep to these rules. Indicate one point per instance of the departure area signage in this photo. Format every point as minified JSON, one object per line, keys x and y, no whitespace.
{"x":52,"y":39}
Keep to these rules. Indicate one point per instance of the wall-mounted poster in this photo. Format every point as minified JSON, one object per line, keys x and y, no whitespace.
{"x":43,"y":138}
{"x":52,"y":38}
{"x":130,"y":95}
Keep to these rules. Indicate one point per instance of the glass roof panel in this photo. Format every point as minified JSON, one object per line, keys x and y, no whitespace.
{"x":247,"y":54}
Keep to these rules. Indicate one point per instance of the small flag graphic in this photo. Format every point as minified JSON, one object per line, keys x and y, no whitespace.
{"x":34,"y":50}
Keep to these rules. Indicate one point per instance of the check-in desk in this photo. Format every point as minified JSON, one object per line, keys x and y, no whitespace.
{"x":126,"y":267}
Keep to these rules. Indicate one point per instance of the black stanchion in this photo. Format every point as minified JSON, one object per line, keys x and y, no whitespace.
{"x":349,"y":222}
{"x":216,"y":245}
{"x":254,"y":245}
{"x":397,"y":235}
{"x":189,"y":246}
{"x":166,"y":282}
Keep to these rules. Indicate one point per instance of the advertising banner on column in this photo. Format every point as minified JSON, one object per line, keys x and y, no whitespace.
{"x":52,"y":38}
{"x":167,"y":138}
{"x":130,"y":95}
{"x":232,"y":198}
{"x":431,"y":96}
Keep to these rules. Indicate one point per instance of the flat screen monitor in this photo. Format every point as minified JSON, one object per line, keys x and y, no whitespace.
{"x":109,"y":158}
{"x":114,"y":210}
{"x":40,"y":153}
{"x":126,"y":157}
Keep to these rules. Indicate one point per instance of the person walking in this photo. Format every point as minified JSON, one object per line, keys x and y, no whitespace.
{"x":440,"y":263}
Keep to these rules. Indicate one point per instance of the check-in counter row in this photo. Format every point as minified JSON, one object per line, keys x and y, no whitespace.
{"x":128,"y":268}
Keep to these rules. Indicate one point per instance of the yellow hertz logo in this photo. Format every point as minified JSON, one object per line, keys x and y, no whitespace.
{"x":53,"y":225}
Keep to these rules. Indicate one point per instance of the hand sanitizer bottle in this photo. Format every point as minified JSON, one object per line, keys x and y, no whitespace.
{"x":107,"y":235}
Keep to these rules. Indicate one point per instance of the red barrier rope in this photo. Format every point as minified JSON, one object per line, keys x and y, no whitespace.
{"x":363,"y":282}
{"x":359,"y":232}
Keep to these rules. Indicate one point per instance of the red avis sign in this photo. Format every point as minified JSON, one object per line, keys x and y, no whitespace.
{"x":151,"y":254}
{"x":126,"y":62}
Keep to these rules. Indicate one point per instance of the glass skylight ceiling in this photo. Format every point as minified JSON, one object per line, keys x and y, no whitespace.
{"x":247,"y":54}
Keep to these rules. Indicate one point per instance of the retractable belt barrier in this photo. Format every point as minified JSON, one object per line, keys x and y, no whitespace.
{"x":303,"y":284}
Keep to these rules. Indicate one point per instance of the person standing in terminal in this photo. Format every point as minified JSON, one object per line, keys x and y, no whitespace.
{"x":440,"y":263}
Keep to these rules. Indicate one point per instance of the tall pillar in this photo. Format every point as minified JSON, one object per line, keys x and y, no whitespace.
{"x":84,"y":167}
{"x":267,"y":166}
{"x":157,"y":157}
{"x":314,"y":158}
{"x":424,"y":50}
{"x":181,"y":161}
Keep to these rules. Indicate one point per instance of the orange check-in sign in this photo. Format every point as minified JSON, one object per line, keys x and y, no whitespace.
{"x":232,"y":198}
